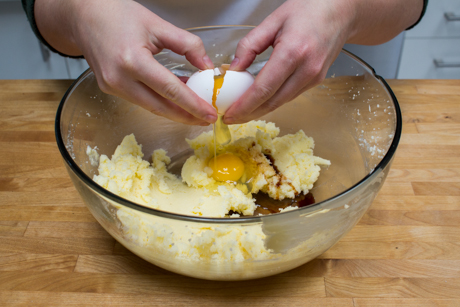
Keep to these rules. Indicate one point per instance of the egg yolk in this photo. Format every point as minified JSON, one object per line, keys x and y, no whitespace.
{"x":218,"y":82}
{"x":226,"y":167}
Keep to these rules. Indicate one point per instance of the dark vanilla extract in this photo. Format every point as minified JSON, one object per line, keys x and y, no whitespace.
{"x":266,"y":205}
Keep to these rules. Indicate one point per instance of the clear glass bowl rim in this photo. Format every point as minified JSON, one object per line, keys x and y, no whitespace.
{"x":241,"y":220}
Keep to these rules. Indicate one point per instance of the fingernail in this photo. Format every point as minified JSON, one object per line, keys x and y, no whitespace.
{"x":207,"y":61}
{"x":210,"y":119}
{"x":229,"y":120}
{"x":234,"y":63}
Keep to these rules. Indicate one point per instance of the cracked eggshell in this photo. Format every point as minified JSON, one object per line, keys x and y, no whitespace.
{"x":234,"y":85}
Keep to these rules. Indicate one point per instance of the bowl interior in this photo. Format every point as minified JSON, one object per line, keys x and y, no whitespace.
{"x":352,"y":116}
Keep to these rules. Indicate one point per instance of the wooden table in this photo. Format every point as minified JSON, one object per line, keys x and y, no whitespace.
{"x":405,"y":250}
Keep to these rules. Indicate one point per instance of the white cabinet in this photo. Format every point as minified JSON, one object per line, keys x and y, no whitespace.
{"x":432,"y":49}
{"x":22,"y":57}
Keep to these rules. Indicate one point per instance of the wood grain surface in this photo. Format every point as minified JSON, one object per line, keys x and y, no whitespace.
{"x":404,"y":252}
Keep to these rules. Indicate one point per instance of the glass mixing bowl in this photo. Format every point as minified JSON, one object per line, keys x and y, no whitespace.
{"x":353,"y":117}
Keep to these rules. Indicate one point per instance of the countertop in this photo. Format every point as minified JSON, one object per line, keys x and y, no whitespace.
{"x":404,"y":251}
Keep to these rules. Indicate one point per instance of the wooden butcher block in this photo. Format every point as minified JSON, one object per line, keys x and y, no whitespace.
{"x":404,"y":252}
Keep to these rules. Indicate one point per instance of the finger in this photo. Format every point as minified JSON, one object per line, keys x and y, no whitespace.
{"x":285,"y":95}
{"x":308,"y":75}
{"x":278,"y":69}
{"x":269,"y":107}
{"x":184,"y":43}
{"x":146,"y":98}
{"x":300,"y":81}
{"x":254,"y":43}
{"x":162,"y":81}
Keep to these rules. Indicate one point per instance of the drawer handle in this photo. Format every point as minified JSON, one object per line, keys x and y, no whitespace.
{"x":439,"y":63}
{"x":450,"y":16}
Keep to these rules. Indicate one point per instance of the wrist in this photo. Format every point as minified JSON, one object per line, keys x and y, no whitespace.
{"x":376,"y":22}
{"x":53,"y":20}
{"x":345,"y":14}
{"x":78,"y":16}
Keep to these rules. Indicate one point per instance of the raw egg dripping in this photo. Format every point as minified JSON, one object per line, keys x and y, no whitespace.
{"x":221,"y":132}
{"x":225,"y":167}
{"x":221,"y":92}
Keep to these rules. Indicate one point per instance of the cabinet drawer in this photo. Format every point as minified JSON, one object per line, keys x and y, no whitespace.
{"x":418,"y":55}
{"x":435,"y":24}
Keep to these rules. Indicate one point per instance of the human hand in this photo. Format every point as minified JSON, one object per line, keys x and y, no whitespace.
{"x":118,"y":39}
{"x":306,"y":37}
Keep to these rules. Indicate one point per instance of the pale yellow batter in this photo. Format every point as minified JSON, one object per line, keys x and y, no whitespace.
{"x":195,"y":247}
{"x":295,"y":170}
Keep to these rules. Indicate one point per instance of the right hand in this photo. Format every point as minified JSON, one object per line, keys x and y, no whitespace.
{"x":119,"y":38}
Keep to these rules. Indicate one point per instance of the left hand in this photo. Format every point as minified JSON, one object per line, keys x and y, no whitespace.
{"x":307,"y":36}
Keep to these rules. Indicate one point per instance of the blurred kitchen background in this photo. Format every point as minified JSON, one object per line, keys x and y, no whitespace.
{"x":431,"y":50}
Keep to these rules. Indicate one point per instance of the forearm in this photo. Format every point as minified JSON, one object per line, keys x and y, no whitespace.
{"x":54,"y":21}
{"x":377,"y":21}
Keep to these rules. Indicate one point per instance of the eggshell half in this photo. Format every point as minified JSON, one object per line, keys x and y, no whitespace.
{"x":202,"y":83}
